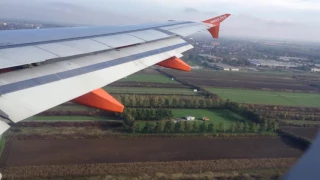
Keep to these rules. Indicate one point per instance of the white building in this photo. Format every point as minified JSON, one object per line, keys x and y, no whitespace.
{"x":225,"y":67}
{"x":315,"y":70}
{"x":190,"y":118}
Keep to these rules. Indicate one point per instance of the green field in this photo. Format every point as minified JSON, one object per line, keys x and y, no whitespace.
{"x":145,"y":90}
{"x":66,"y":118}
{"x":268,"y":97}
{"x":215,"y":116}
{"x":155,"y":78}
{"x":73,"y":107}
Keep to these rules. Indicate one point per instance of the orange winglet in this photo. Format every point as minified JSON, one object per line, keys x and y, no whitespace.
{"x":175,"y":63}
{"x":214,"y":31}
{"x":100,"y":99}
{"x":217,"y":20}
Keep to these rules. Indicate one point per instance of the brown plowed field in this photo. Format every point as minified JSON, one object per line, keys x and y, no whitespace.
{"x":60,"y":152}
{"x":306,"y":132}
{"x":243,"y":80}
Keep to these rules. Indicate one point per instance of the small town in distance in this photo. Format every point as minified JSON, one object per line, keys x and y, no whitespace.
{"x":248,"y":109}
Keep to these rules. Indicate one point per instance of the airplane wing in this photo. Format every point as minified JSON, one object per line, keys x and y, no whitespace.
{"x":42,"y":68}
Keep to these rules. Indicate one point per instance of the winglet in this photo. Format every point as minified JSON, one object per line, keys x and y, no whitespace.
{"x":217,"y":20}
{"x":214,"y":31}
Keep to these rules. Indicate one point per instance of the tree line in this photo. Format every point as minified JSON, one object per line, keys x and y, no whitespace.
{"x":160,"y":102}
{"x":156,"y":101}
{"x":205,"y":127}
{"x":131,"y":114}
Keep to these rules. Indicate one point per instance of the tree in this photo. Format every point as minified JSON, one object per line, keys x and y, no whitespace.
{"x":233,"y":127}
{"x":159,"y":127}
{"x":211,"y":128}
{"x":187,"y":127}
{"x":246,"y":127}
{"x":128,"y":119}
{"x":136,"y":128}
{"x":238,"y":127}
{"x":203,"y":127}
{"x":265,"y":126}
{"x":147,"y":128}
{"x":176,"y":127}
{"x":195,"y":128}
{"x":273,"y":126}
{"x":270,"y":126}
{"x":168,"y":102}
{"x":168,"y":127}
{"x":132,"y":101}
{"x":221,"y":127}
{"x":251,"y":128}
{"x":258,"y":127}
{"x":241,"y":127}
{"x":255,"y":128}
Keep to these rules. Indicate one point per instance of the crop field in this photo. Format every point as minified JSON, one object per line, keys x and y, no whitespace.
{"x":268,"y":97}
{"x":82,"y":151}
{"x":66,"y":118}
{"x":145,"y":90}
{"x":246,"y":80}
{"x":309,"y":132}
{"x":156,"y":78}
{"x":215,"y":116}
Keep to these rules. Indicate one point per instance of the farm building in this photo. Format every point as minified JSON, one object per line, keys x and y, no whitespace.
{"x":224,"y":67}
{"x":205,"y":119}
{"x":190,"y":118}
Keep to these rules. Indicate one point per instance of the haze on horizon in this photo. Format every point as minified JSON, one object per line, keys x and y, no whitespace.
{"x":297,"y":20}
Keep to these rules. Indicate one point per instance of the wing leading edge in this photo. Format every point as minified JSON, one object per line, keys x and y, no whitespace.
{"x":74,"y":63}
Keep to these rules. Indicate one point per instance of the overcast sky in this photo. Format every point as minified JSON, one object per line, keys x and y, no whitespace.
{"x":285,"y":19}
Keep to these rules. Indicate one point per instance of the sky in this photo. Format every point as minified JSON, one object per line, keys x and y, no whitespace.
{"x":277,"y":19}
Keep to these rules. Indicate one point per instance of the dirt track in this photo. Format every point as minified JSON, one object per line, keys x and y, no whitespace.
{"x":58,"y":152}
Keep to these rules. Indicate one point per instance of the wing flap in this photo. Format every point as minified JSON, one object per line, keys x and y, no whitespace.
{"x":86,"y":45}
{"x":118,"y":40}
{"x":23,"y":55}
{"x":59,"y":50}
{"x":149,"y":35}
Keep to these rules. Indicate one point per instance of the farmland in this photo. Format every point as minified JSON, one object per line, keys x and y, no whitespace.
{"x":62,"y":152}
{"x":215,"y":116}
{"x":155,"y":78}
{"x":264,"y":81}
{"x":268,"y":97}
{"x":137,"y":90}
{"x":56,"y":148}
{"x":66,"y":118}
{"x":309,"y":133}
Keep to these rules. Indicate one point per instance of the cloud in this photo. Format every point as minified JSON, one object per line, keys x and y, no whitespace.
{"x":191,"y":10}
{"x":250,"y":18}
{"x":60,"y":12}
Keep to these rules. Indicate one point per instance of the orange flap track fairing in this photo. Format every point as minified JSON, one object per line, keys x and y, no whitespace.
{"x":100,"y":99}
{"x":175,"y":63}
